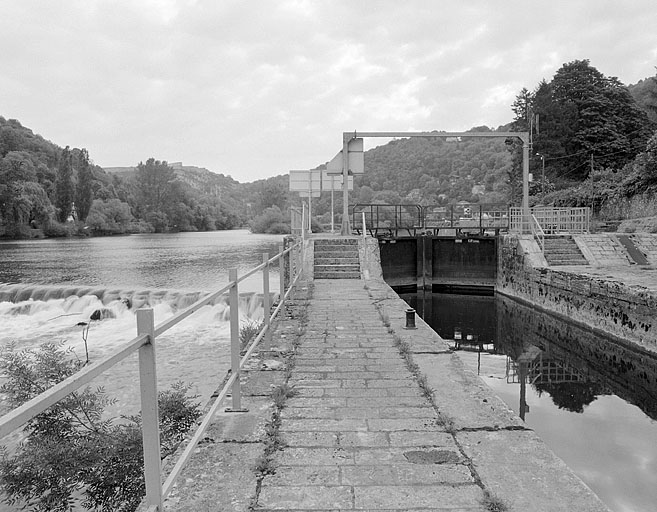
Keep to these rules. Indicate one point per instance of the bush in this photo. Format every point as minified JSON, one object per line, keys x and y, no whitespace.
{"x":72,"y":455}
{"x":270,"y":222}
{"x":56,"y":229}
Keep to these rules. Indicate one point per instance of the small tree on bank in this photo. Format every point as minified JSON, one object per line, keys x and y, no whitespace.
{"x":71,"y":454}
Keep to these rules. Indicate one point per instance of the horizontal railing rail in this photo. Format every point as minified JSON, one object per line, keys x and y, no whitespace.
{"x":145,"y":343}
{"x":554,"y":221}
{"x":538,"y":233}
{"x":414,"y":218}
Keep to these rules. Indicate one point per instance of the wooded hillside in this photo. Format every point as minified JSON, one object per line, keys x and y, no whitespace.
{"x":594,"y":144}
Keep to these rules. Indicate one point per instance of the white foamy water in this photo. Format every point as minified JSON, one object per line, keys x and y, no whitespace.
{"x":195,"y":351}
{"x":53,"y":288}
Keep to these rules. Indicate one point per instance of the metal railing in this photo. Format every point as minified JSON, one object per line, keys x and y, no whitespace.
{"x":410,"y":219}
{"x":144,"y":344}
{"x":557,"y":221}
{"x":538,"y":233}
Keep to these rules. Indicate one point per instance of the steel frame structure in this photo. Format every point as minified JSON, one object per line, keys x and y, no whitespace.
{"x":347,"y":136}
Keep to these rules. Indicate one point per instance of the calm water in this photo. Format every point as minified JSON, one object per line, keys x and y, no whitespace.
{"x":183,"y":261}
{"x":592,"y":401}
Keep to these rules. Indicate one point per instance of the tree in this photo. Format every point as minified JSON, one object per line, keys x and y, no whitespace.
{"x":109,"y":217}
{"x":270,"y":221}
{"x":64,"y":186}
{"x":84,"y":192}
{"x":22,"y":199}
{"x":154,"y":181}
{"x":642,"y":172}
{"x":522,"y":110}
{"x":609,"y":129}
{"x":45,"y":472}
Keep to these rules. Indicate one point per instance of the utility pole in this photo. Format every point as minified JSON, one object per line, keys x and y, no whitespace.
{"x":542,"y":176}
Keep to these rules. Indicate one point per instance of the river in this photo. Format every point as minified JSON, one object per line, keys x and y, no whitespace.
{"x":48,"y":288}
{"x":591,"y":399}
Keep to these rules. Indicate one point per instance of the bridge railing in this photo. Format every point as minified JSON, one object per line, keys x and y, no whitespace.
{"x":409,"y":219}
{"x":538,"y":233}
{"x":554,"y":220}
{"x":388,"y":217}
{"x":144,"y":344}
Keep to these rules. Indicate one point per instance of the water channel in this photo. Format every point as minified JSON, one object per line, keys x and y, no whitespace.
{"x":592,"y":400}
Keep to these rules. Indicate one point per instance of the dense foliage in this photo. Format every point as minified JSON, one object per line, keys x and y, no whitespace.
{"x":590,"y":133}
{"x":585,"y":127}
{"x":47,"y":190}
{"x":72,"y":454}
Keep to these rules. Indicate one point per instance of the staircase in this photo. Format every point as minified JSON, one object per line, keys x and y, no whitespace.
{"x":336,"y":259}
{"x":562,"y":250}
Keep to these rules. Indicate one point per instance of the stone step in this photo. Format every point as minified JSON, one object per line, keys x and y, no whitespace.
{"x":554,"y":263}
{"x":564,"y":250}
{"x":336,"y":261}
{"x":337,"y":268}
{"x":337,"y":241}
{"x":336,"y":248}
{"x":337,"y":275}
{"x":336,"y":254}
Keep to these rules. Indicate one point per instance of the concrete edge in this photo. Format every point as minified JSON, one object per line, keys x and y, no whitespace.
{"x":511,"y":459}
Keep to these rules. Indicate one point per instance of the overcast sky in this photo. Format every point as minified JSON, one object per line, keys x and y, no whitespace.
{"x":255,"y":89}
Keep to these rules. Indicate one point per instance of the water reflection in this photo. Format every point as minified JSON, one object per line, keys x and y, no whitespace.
{"x":593,"y":400}
{"x":572,"y":364}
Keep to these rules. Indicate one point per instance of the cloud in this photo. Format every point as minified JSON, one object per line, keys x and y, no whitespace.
{"x":253,"y":89}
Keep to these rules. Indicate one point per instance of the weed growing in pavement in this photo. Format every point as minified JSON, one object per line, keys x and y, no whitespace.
{"x":493,"y":503}
{"x":248,"y":332}
{"x":427,"y":390}
{"x":281,"y":393}
{"x":273,"y":441}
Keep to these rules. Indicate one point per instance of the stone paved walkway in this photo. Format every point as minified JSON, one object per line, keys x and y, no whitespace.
{"x":359,"y":433}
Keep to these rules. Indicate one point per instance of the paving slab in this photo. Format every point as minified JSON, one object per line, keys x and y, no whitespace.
{"x":520,"y":467}
{"x":361,"y":435}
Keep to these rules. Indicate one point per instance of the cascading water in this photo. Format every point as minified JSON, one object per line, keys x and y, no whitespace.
{"x":194,"y":351}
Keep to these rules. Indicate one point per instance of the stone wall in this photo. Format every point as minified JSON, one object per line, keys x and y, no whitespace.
{"x":603,"y":304}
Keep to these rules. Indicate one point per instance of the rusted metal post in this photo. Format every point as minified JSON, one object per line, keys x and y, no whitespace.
{"x":150,"y":419}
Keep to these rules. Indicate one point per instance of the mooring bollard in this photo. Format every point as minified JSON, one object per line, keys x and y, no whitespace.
{"x":410,"y":319}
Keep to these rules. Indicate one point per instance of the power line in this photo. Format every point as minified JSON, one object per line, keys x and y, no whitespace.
{"x":595,"y":146}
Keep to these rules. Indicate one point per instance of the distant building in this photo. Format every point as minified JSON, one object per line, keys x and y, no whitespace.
{"x":73,"y":214}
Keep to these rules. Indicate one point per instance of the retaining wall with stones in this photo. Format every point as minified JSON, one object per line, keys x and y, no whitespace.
{"x":605,"y":303}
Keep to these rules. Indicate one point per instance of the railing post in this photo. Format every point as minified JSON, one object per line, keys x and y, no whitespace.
{"x":266,"y":306}
{"x":234,"y":299}
{"x":291,"y":264}
{"x":281,"y":272}
{"x":149,"y":410}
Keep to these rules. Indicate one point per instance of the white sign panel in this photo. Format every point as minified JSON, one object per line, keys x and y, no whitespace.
{"x":334,"y":181}
{"x":356,"y":159}
{"x":304,"y":181}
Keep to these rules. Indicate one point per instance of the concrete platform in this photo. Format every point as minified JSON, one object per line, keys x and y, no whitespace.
{"x":382,"y":418}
